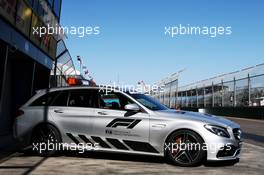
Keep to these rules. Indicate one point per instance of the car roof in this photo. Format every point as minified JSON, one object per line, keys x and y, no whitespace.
{"x":42,"y":92}
{"x":68,"y":87}
{"x":101,"y":87}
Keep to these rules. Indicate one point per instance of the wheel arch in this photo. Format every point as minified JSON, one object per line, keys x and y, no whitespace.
{"x":179,"y":129}
{"x":43,"y":124}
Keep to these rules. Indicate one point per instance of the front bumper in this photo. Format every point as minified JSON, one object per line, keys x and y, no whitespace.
{"x":225,"y":148}
{"x":229,"y":152}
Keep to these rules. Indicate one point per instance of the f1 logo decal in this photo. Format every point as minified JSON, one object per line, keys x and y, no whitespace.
{"x":129,"y":123}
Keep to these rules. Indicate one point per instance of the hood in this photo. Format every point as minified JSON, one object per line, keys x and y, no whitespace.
{"x":203,"y":117}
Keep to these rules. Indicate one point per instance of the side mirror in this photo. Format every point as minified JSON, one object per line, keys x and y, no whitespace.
{"x":132,"y":107}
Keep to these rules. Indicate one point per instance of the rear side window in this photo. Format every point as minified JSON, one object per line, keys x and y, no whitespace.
{"x":83,"y":98}
{"x":61,"y":99}
{"x":46,"y":99}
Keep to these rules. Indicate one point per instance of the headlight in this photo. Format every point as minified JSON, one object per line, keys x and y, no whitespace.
{"x":218,"y":130}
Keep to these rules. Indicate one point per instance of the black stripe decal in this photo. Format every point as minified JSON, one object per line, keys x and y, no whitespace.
{"x":116,"y":143}
{"x":73,"y":138}
{"x":118,"y":120}
{"x":100,"y":141}
{"x":85,"y":139}
{"x":133,"y":124}
{"x":140,"y":146}
{"x":120,"y":124}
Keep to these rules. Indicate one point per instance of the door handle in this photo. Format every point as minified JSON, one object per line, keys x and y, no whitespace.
{"x":158,"y":126}
{"x":58,"y":111}
{"x":102,"y":113}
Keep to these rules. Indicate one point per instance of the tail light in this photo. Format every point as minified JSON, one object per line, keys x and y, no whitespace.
{"x":18,"y":113}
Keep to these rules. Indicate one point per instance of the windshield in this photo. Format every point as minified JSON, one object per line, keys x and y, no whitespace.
{"x":149,"y":102}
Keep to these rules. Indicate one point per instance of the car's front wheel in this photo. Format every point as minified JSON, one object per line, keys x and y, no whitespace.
{"x":185,"y":148}
{"x":45,"y":140}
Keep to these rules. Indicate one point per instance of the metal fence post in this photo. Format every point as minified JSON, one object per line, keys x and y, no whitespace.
{"x":170,"y":95}
{"x":176,"y":96}
{"x":222,"y":94}
{"x":186,"y":99}
{"x":181,"y":99}
{"x":234,"y":101}
{"x":197,"y":105}
{"x":249,"y":91}
{"x":204,"y":101}
{"x":213,"y":94}
{"x":191,"y":93}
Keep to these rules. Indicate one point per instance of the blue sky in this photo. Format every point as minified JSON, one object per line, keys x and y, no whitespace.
{"x":132,"y":44}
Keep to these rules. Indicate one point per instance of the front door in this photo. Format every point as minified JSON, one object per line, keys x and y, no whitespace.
{"x":115,"y":128}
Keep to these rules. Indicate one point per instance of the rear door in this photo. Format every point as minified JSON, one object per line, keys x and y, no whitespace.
{"x":73,"y":112}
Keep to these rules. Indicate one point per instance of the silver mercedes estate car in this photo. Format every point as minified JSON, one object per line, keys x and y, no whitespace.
{"x":99,"y":119}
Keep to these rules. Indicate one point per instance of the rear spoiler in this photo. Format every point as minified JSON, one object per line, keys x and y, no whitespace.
{"x":41,"y":90}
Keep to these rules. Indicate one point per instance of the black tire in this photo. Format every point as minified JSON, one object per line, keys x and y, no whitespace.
{"x":191,"y":155}
{"x":45,"y":140}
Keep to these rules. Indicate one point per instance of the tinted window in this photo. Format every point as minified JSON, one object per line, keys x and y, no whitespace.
{"x":113,"y":100}
{"x":148,"y":102}
{"x":45,"y":100}
{"x":61,"y":99}
{"x":110,"y":101}
{"x":83,"y":98}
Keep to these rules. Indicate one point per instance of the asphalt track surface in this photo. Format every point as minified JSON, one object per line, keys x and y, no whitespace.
{"x":251,"y":162}
{"x":253,"y":130}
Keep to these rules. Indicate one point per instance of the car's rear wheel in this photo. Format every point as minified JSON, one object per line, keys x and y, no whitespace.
{"x":45,"y":140}
{"x":185,"y":148}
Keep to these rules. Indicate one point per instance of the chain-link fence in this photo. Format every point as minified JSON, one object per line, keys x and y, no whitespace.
{"x":244,"y":88}
{"x":168,"y":87}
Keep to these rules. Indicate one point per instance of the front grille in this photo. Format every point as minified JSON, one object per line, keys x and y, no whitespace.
{"x":237,"y":133}
{"x":228,"y":151}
